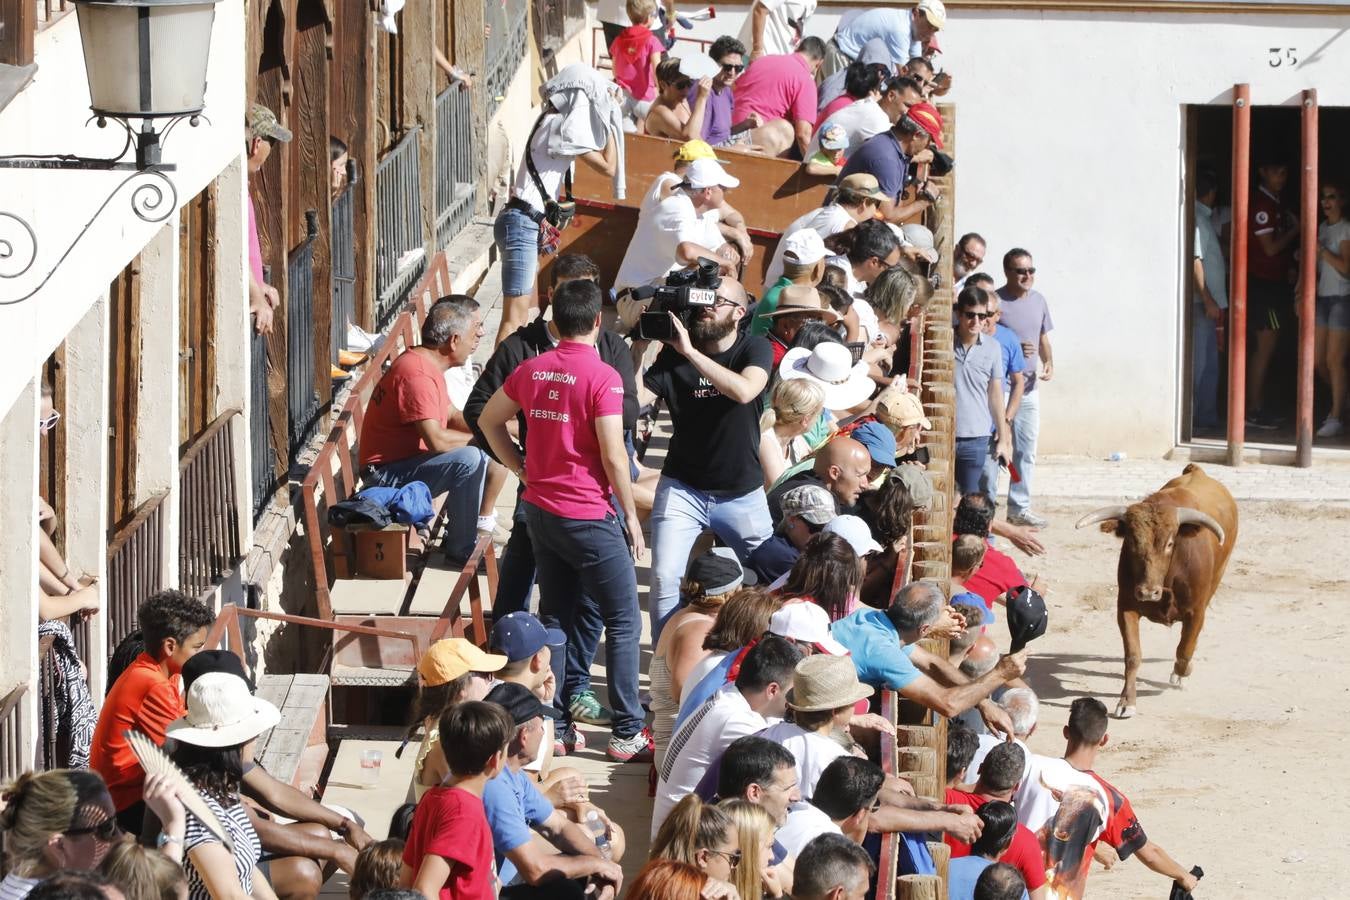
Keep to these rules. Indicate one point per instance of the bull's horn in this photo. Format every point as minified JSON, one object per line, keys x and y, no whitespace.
{"x":1188,"y":516}
{"x":1100,"y":515}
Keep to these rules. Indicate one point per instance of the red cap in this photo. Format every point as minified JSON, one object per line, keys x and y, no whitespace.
{"x":928,"y":118}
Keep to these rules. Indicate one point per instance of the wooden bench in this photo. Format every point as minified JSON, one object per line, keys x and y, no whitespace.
{"x":296,"y":749}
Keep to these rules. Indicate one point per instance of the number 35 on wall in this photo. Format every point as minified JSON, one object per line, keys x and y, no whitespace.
{"x":1283,"y":56}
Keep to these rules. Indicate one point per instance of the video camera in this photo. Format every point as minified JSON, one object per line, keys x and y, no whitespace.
{"x":685,"y":293}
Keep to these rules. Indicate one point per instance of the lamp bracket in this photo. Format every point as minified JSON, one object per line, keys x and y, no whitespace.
{"x":146,"y":142}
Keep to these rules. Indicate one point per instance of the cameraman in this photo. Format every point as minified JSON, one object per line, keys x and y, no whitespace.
{"x":710,"y":375}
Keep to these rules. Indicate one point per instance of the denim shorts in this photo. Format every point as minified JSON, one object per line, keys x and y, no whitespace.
{"x":1334,"y":313}
{"x":517,"y":239}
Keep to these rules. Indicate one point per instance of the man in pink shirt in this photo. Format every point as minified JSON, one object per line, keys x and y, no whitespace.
{"x":574,"y":457}
{"x":781,"y":90}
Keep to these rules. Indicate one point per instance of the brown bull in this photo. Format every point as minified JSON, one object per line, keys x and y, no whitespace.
{"x":1176,"y":544}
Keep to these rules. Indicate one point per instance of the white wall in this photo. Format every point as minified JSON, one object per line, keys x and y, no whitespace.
{"x":49,"y":117}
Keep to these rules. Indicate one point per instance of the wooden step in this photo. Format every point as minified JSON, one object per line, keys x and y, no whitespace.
{"x":294,"y":751}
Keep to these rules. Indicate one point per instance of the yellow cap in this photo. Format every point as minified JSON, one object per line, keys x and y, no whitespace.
{"x":692,"y":150}
{"x":454,"y":657}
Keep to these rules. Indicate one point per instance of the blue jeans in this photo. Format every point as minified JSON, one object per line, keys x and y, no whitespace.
{"x":590,"y":557}
{"x":679,"y":515}
{"x":1025,"y":431}
{"x":517,"y":237}
{"x":456,"y":473}
{"x":1204,"y":372}
{"x":971,"y":455}
{"x":989,"y":476}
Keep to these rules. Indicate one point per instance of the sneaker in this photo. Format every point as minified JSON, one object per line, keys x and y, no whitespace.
{"x":1332,"y":427}
{"x":636,"y":748}
{"x":1028,"y":518}
{"x":1262,"y":422}
{"x":585,"y":708}
{"x":568,"y":740}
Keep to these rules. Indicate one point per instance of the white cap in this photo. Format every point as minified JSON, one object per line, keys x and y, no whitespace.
{"x":855,"y":531}
{"x":807,"y":623}
{"x":705,"y":173}
{"x":806,"y":246}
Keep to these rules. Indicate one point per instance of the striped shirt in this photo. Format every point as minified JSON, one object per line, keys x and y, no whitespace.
{"x":247,"y":849}
{"x":16,"y":887}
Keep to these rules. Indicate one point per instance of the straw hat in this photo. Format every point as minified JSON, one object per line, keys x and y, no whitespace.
{"x":831,"y":366}
{"x":826,"y":682}
{"x":222,"y":713}
{"x":801,"y":299}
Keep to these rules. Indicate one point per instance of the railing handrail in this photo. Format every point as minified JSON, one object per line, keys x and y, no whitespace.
{"x":133,"y":524}
{"x":199,"y":443}
{"x":227,"y":622}
{"x":12,"y":699}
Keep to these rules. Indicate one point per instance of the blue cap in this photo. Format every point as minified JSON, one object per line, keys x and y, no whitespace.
{"x":519,"y":635}
{"x":878,"y":440}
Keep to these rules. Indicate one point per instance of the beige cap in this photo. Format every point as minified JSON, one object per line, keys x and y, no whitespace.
{"x":454,"y":657}
{"x":864,"y":183}
{"x":898,"y":408}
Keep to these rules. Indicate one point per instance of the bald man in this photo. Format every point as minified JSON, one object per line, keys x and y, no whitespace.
{"x":842,"y":467}
{"x":980,"y":658}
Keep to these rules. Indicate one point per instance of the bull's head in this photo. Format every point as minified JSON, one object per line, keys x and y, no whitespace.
{"x":1149,"y":531}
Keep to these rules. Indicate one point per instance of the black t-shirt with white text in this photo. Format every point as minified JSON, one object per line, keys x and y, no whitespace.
{"x":715,"y":446}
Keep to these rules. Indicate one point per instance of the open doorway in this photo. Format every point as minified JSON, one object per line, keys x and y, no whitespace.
{"x":1275,"y":134}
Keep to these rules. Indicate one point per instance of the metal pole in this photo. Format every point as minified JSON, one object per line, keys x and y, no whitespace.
{"x":1237,"y":280}
{"x":1303,"y":429}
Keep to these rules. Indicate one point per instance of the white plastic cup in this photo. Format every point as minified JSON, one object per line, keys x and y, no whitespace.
{"x":370,"y":767}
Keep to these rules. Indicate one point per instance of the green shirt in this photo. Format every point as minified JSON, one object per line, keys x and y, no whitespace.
{"x":761,"y":323}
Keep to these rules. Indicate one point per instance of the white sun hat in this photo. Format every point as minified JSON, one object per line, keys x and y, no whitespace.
{"x":831,"y":366}
{"x":222,"y":713}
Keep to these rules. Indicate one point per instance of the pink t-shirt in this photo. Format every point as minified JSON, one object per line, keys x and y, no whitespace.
{"x":562,"y":393}
{"x":777,"y":87}
{"x":255,"y":263}
{"x":631,"y":57}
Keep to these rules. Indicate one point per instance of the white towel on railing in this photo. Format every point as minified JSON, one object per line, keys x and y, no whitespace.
{"x":591,"y":111}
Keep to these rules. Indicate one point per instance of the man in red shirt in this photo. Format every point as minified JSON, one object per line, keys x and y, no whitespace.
{"x":781,"y":91}
{"x":574,"y":457}
{"x":999,"y":775}
{"x":1270,"y":295}
{"x":146,"y":697}
{"x":413,"y":433}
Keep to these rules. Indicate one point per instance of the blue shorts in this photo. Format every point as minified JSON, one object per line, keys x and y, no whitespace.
{"x":517,"y":239}
{"x":1333,"y":313}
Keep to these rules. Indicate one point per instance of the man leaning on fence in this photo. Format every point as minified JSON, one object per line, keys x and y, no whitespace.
{"x":263,"y":131}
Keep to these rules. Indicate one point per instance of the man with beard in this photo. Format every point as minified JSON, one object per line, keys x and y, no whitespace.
{"x":711,"y":376}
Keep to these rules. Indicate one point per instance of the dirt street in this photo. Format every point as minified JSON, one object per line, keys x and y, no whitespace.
{"x":1242,"y":772}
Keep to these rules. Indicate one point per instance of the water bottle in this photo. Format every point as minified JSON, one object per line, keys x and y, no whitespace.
{"x":1118,"y":456}
{"x":598,"y":829}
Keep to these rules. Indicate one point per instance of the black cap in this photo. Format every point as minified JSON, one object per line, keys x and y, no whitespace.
{"x":520,"y":702}
{"x":214,"y":661}
{"x":719,"y":572}
{"x":1027,"y":616}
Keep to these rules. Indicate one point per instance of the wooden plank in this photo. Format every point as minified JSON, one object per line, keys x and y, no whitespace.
{"x":418,"y":104}
{"x":16,"y":38}
{"x":124,"y":360}
{"x":352,"y":114}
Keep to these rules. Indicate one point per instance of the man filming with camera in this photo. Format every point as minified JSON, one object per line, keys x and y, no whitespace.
{"x":710,"y":374}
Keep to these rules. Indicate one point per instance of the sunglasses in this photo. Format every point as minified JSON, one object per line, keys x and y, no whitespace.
{"x":106,"y":831}
{"x":682,"y":84}
{"x":1025,"y":270}
{"x":974,"y":315}
{"x":733,"y":856}
{"x":733,"y":68}
{"x":49,"y":423}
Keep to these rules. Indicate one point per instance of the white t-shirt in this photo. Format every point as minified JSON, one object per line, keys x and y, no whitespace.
{"x":860,"y":120}
{"x":867,"y":317}
{"x":16,"y":887}
{"x":1331,"y":283}
{"x":459,"y":382}
{"x":699,"y":672}
{"x":1035,"y":801}
{"x":813,"y":752}
{"x":804,"y":825}
{"x":551,"y":168}
{"x":825,"y":221}
{"x":702,"y":738}
{"x":779,"y":36}
{"x":989,"y":742}
{"x":651,"y":252}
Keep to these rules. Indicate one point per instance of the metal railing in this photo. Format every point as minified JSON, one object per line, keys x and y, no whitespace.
{"x":208,"y":509}
{"x":261,"y":457}
{"x":15,"y":743}
{"x":399,"y":255}
{"x":135,"y":569}
{"x":455,"y":189}
{"x":506,"y":47}
{"x":302,"y":394}
{"x":343,"y":241}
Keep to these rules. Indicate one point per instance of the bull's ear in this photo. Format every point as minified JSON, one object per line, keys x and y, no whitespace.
{"x":1113,"y":526}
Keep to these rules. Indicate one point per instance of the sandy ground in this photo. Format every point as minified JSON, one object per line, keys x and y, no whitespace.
{"x":1219,"y":773}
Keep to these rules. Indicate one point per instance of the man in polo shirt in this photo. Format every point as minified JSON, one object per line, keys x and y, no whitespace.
{"x":806,"y":510}
{"x":575,"y":456}
{"x":1270,"y":260}
{"x":889,"y":155}
{"x":884,"y":647}
{"x":979,"y":391}
{"x":855,"y":201}
{"x":1014,"y":382}
{"x":517,"y":811}
{"x":781,"y":90}
{"x":904,"y":32}
{"x":774,"y":27}
{"x":720,"y":109}
{"x":1026,"y":312}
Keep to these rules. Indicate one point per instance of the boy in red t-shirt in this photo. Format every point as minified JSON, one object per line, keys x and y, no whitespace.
{"x":999,"y":776}
{"x":449,"y":851}
{"x":634,"y":56}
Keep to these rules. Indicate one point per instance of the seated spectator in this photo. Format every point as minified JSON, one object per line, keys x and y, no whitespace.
{"x":781,"y":90}
{"x":775,"y":26}
{"x":795,"y":407}
{"x":760,"y":771}
{"x":377,"y":869}
{"x":673,"y":114}
{"x":825,"y":690}
{"x":756,"y":875}
{"x":830,"y":144}
{"x":865,"y":119}
{"x":997,"y":572}
{"x":449,"y":854}
{"x":831,"y":867}
{"x":1023,"y":708}
{"x":634,"y":56}
{"x":904,"y":32}
{"x":961,"y":746}
{"x":720,"y":112}
{"x":855,"y":201}
{"x":517,"y":811}
{"x":873,"y":56}
{"x":794,"y":306}
{"x":1000,"y":882}
{"x":829,"y":572}
{"x":759,"y":692}
{"x":968,"y":551}
{"x":60,"y":592}
{"x":744,"y":618}
{"x":667,"y":879}
{"x":897,"y":294}
{"x":211,"y":744}
{"x":711,"y":579}
{"x":980,"y":659}
{"x":999,"y":777}
{"x":452,"y":671}
{"x":866,"y":251}
{"x":57,"y":820}
{"x":806,"y":510}
{"x":412,"y":432}
{"x":889,"y":155}
{"x":701,"y":835}
{"x":801,"y":263}
{"x":959,"y":645}
{"x":146,"y":697}
{"x":862,"y":81}
{"x":921,"y":70}
{"x":842,"y":467}
{"x":90,"y":885}
{"x":880,"y":444}
{"x":887,"y":512}
{"x":883,"y":645}
{"x":994,"y":842}
{"x":143,"y":873}
{"x":848,"y":793}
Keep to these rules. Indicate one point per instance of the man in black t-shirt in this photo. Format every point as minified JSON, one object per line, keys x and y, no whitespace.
{"x":711,"y":378}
